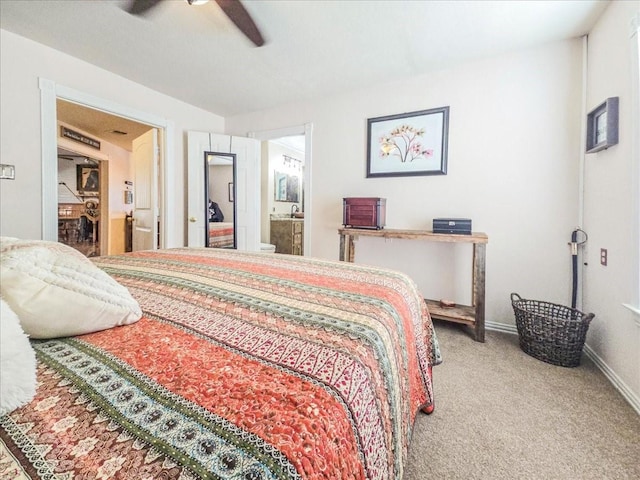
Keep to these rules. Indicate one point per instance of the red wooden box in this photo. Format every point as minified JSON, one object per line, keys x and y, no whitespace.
{"x":364,"y":212}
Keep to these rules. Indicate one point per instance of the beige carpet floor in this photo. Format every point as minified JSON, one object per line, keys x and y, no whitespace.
{"x":501,"y":414}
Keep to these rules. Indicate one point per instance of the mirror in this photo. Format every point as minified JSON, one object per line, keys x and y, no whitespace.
{"x":220,"y":193}
{"x":287,"y":187}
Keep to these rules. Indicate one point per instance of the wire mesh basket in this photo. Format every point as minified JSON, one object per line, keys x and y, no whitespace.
{"x":550,"y":332}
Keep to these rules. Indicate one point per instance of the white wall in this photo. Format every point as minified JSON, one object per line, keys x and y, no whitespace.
{"x":610,"y":215}
{"x":514,"y":149}
{"x":22,"y":62}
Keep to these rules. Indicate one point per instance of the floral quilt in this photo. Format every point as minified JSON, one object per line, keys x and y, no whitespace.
{"x":244,"y":366}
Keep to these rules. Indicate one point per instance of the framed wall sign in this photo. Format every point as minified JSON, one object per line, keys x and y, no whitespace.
{"x":602,"y":126}
{"x":408,"y":144}
{"x":78,"y":137}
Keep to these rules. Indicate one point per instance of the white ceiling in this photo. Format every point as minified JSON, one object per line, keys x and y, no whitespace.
{"x":116,"y":130}
{"x":314,"y":47}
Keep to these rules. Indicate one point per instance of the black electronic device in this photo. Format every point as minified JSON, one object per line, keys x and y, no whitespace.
{"x":460,"y":226}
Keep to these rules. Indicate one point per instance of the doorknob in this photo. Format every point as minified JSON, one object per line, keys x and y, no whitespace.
{"x":193,"y":219}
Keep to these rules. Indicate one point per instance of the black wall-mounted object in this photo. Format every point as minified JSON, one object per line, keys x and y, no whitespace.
{"x":602,"y":126}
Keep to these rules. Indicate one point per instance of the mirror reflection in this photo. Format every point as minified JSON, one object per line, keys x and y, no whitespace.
{"x":220,"y":212}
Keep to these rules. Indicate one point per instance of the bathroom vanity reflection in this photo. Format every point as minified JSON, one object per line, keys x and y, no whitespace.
{"x":287,"y":233}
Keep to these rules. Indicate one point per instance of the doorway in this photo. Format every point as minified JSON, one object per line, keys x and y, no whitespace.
{"x":282,"y":194}
{"x":50,"y":93}
{"x":303,"y":134}
{"x":102,"y":178}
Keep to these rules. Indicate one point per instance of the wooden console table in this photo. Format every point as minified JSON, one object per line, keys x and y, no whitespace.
{"x":469,"y":315}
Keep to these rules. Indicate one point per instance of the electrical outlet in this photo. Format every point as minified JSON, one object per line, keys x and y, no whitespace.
{"x":603,"y":256}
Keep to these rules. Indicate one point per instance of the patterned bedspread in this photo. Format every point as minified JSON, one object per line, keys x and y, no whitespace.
{"x":221,"y":234}
{"x":244,"y":366}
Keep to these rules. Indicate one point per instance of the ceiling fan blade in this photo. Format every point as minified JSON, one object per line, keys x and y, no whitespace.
{"x":241,"y":18}
{"x":140,"y":7}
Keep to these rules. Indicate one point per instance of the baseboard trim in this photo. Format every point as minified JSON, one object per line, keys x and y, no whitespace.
{"x":501,"y":327}
{"x":616,"y":381}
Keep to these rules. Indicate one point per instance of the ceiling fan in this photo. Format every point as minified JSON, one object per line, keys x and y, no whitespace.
{"x":231,"y":8}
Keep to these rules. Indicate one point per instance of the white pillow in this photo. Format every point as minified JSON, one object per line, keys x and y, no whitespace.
{"x":17,"y":363}
{"x":57,"y":292}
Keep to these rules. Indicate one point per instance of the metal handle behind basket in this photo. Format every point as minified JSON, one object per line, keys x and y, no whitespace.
{"x":588,"y":317}
{"x":515,"y":297}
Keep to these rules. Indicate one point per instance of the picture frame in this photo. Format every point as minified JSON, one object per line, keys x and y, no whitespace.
{"x":87,"y":179}
{"x":231,"y":196}
{"x":602,"y":126}
{"x":286,"y":188}
{"x":408,"y":144}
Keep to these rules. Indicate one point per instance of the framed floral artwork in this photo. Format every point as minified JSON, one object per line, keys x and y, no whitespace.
{"x":408,"y":144}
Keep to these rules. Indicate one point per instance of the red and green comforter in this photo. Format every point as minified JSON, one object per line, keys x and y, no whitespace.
{"x":244,"y":366}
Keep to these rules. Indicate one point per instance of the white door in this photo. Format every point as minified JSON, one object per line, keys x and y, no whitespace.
{"x":145,"y":198}
{"x":197,"y":144}
{"x":247,"y":221}
{"x":247,"y":199}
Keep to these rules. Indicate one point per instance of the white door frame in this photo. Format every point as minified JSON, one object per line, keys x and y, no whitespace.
{"x":49,"y":93}
{"x":305,"y":130}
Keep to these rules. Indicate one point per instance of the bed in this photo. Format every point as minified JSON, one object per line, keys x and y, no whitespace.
{"x":242,"y":365}
{"x":221,"y":234}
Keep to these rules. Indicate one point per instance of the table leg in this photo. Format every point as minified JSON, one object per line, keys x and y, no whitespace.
{"x":352,"y":249}
{"x":347,"y":248}
{"x":479,"y":258}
